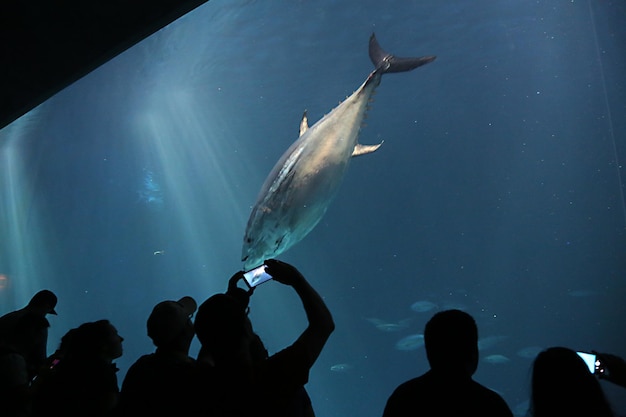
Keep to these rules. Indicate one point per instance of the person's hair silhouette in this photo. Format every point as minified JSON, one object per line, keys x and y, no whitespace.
{"x":563,"y":386}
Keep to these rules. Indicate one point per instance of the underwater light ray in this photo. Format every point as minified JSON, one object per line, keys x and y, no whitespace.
{"x":23,"y":258}
{"x":197,"y":175}
{"x":607,"y":105}
{"x":200,"y":179}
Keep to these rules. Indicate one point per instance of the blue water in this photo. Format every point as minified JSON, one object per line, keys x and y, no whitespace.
{"x":497,"y":189}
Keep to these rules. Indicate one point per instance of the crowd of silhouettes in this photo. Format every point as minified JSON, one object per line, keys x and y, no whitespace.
{"x":275,"y":383}
{"x":233,"y":374}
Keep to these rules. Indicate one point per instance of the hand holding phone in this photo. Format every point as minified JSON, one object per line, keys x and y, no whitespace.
{"x":283,"y":272}
{"x":614,"y":368}
{"x":256,"y":276}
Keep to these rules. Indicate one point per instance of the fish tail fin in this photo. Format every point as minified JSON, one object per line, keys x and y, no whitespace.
{"x":385,"y":62}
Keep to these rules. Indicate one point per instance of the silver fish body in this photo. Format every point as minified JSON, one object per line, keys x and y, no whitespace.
{"x":304,"y":181}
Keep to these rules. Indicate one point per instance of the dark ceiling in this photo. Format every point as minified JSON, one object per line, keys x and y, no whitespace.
{"x":48,"y":44}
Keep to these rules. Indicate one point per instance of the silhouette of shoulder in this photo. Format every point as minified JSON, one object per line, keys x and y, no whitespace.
{"x":287,"y":367}
{"x":428,"y":395}
{"x":281,"y":376}
{"x":159,"y":383}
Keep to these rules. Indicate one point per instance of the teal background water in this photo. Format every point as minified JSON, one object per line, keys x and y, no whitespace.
{"x":498,"y":190}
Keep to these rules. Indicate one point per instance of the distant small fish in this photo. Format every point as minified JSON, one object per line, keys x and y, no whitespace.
{"x":150,"y":192}
{"x":159,"y":252}
{"x":411,"y":342}
{"x":582,"y":293}
{"x":391,"y":327}
{"x":423,"y":306}
{"x":490,"y":341}
{"x":454,"y":306}
{"x":385,"y":326}
{"x":529,"y":352}
{"x":497,"y":359}
{"x":341,"y":367}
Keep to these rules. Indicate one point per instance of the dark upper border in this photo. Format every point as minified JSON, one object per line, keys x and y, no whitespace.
{"x":45,"y":45}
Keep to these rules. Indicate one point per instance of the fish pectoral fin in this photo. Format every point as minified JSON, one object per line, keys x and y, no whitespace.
{"x":365,"y":149}
{"x":304,"y":124}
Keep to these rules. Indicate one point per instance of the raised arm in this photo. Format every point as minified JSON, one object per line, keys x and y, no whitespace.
{"x":321,"y":323}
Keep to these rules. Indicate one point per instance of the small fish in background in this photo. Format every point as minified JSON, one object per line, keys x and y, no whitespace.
{"x":150,"y":192}
{"x":411,"y":342}
{"x":490,"y":341}
{"x":341,"y":367}
{"x":159,"y":252}
{"x":582,"y":293}
{"x":423,"y":306}
{"x":496,"y":359}
{"x":529,"y":352}
{"x":385,"y":326}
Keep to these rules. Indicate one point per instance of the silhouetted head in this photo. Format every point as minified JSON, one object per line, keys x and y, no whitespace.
{"x":451,"y":341}
{"x":91,"y":341}
{"x":223,"y":327}
{"x":563,"y":386}
{"x":43,"y":302}
{"x":169,"y":324}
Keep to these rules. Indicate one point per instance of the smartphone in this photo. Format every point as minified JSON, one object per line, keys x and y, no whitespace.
{"x":593,"y":363}
{"x":256,"y":276}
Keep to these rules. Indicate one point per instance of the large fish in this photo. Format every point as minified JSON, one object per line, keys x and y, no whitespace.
{"x":305,"y":179}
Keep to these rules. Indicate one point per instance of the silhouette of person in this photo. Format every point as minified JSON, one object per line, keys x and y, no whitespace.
{"x":84,"y":381}
{"x":447,"y":389}
{"x":561,"y":385}
{"x":14,"y":371}
{"x":40,"y":305}
{"x":271,"y":384}
{"x":162,"y":382}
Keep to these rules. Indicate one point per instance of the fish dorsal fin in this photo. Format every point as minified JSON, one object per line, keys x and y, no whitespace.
{"x":365,"y":149}
{"x":304,"y":124}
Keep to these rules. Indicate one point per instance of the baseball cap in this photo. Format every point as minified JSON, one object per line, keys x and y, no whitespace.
{"x":169,"y":318}
{"x":45,"y":298}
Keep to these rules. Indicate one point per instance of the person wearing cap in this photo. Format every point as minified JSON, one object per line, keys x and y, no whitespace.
{"x":272,"y":384}
{"x":42,"y":304}
{"x":15,"y":390}
{"x":161,"y":383}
